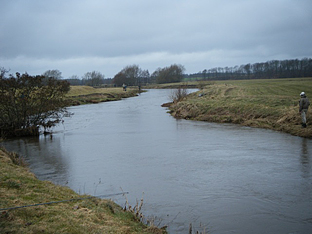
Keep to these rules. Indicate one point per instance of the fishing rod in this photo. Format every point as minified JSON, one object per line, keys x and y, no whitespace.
{"x":69,"y":200}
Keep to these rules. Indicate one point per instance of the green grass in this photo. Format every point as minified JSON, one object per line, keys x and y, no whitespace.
{"x":271,"y":103}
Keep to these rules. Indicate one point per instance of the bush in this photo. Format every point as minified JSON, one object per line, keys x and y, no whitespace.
{"x":179,"y":94}
{"x":27,"y":102}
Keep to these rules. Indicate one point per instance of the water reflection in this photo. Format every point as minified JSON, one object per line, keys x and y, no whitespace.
{"x":44,"y":155}
{"x":305,"y":159}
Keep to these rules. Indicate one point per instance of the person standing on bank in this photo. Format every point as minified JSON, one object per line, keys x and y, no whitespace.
{"x":303,"y":108}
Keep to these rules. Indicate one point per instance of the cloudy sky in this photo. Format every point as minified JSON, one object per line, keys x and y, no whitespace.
{"x":79,"y":36}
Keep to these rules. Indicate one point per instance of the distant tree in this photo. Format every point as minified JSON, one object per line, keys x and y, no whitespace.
{"x":171,"y":74}
{"x":53,"y":74}
{"x":27,"y":102}
{"x":205,"y":74}
{"x":247,"y":70}
{"x":74,"y":77}
{"x":145,"y":79}
{"x":94,"y":78}
{"x":130,"y":75}
{"x":74,"y":80}
{"x":120,"y":79}
{"x":3,"y":71}
{"x":266,"y":70}
{"x":156,"y":74}
{"x":108,"y":81}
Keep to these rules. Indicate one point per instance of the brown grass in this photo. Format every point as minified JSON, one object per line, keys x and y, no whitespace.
{"x":271,"y":104}
{"x":19,"y":187}
{"x":79,"y":95}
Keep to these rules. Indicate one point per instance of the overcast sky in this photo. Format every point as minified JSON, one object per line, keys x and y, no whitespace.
{"x":76,"y":36}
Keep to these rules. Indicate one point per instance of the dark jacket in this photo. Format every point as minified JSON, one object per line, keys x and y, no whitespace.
{"x":303,"y":103}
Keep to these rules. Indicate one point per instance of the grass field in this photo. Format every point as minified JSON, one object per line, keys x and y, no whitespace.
{"x":19,"y":187}
{"x":271,"y":104}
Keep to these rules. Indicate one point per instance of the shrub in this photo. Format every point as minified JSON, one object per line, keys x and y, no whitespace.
{"x":179,"y":94}
{"x":27,"y":102}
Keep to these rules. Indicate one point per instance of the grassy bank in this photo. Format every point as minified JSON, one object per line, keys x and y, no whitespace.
{"x":79,"y":95}
{"x":271,"y":104}
{"x":19,"y":187}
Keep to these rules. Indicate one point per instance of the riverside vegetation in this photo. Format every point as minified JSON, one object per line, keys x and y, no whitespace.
{"x":267,"y":103}
{"x":79,"y":95}
{"x":19,"y":187}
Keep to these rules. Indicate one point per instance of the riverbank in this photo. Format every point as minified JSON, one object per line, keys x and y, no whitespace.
{"x":20,"y":187}
{"x":79,"y":95}
{"x":270,"y":104}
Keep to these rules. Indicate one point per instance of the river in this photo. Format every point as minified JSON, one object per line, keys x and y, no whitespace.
{"x":222,"y":178}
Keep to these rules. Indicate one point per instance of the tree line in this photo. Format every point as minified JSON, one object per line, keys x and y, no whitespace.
{"x":131,"y":75}
{"x":266,"y":70}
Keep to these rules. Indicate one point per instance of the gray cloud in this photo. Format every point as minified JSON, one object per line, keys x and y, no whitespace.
{"x":80,"y":36}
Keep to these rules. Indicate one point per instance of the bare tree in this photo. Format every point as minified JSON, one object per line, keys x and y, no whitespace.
{"x":171,"y":74}
{"x":130,"y":75}
{"x":56,"y":74}
{"x":94,"y":78}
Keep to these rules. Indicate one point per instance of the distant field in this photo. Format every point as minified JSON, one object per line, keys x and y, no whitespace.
{"x":271,"y":103}
{"x":290,"y":87}
{"x":86,"y":90}
{"x":86,"y":94}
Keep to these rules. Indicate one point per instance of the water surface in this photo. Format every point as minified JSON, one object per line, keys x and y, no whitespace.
{"x":222,"y":178}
